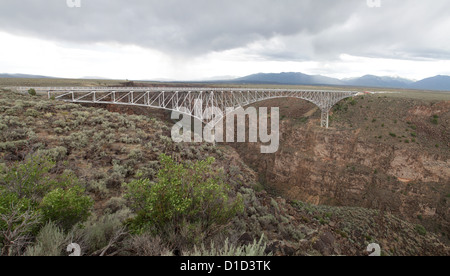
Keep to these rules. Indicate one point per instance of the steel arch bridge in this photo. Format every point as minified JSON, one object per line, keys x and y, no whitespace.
{"x":193,"y":101}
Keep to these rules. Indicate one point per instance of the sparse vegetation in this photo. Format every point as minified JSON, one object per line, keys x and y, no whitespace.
{"x":257,"y":248}
{"x":84,"y":155}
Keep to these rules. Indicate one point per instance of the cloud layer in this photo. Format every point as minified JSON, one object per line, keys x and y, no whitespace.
{"x":280,"y":30}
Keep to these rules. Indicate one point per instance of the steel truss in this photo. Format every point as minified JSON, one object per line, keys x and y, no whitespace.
{"x":194,"y":101}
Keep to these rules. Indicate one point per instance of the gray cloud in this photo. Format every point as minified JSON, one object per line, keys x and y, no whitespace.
{"x":307,"y":29}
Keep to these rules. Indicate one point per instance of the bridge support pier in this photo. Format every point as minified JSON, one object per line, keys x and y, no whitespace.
{"x":324,"y":121}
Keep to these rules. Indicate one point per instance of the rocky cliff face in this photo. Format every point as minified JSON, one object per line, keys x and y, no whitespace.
{"x":399,"y":165}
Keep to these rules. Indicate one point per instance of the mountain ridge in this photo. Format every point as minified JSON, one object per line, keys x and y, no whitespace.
{"x":24,"y":76}
{"x":436,"y":83}
{"x":439,"y":83}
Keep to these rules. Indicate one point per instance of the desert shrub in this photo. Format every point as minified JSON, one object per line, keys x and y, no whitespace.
{"x":12,"y":121}
{"x":14,"y":110}
{"x":66,"y":207}
{"x":98,"y":187}
{"x":12,"y":146}
{"x":126,"y":139}
{"x":32,"y":113}
{"x":148,"y":171}
{"x":69,"y":106}
{"x":98,"y":136}
{"x":80,"y":116}
{"x":147,"y":245}
{"x":185,"y":196}
{"x":115,"y":204}
{"x":114,"y":180}
{"x":293,"y":232}
{"x":187,"y":153}
{"x":42,"y":105}
{"x":77,"y":140}
{"x":98,"y":233}
{"x":96,"y":119}
{"x":256,"y":249}
{"x":267,"y":220}
{"x":56,"y":154}
{"x":110,"y":138}
{"x":126,"y":123}
{"x":119,"y":170}
{"x":60,"y":123}
{"x":51,"y":241}
{"x":16,"y":134}
{"x":135,"y":154}
{"x":165,"y":140}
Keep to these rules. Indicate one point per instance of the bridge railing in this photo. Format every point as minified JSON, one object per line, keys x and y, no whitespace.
{"x":169,"y":89}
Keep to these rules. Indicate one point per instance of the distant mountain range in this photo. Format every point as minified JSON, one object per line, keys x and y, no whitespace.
{"x":434,"y":83}
{"x":22,"y":76}
{"x":440,"y":83}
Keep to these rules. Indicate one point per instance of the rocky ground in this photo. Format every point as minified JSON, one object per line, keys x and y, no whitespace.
{"x":381,"y":152}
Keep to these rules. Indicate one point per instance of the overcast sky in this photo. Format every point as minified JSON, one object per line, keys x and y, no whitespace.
{"x":201,"y":39}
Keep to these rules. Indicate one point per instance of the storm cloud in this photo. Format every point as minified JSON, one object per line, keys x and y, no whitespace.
{"x":267,"y":29}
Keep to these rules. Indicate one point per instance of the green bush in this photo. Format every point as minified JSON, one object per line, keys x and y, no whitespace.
{"x":184,"y":196}
{"x":66,"y":207}
{"x":421,"y":230}
{"x":435,"y":120}
{"x":30,"y":178}
{"x":32,"y":92}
